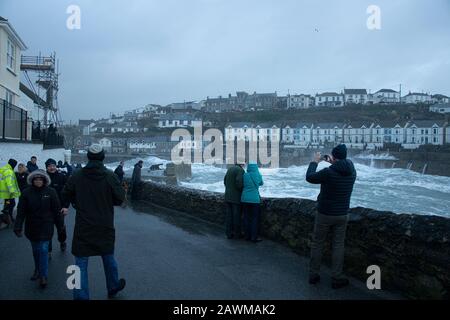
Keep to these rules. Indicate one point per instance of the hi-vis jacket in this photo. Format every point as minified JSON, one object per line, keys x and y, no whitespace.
{"x":9,"y":189}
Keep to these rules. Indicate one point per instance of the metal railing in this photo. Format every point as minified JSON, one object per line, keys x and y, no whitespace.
{"x":13,"y":122}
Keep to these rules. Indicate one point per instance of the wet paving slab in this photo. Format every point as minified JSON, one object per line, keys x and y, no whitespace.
{"x":164,"y":254}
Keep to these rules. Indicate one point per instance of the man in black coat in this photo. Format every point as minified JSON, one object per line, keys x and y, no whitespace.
{"x":119,"y":171}
{"x":21,"y":176}
{"x":136,"y":180}
{"x":94,"y":191}
{"x":39,"y":207}
{"x":58,"y":180}
{"x":336,"y":186}
{"x":32,"y":165}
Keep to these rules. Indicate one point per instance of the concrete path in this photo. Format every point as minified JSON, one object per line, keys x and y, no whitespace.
{"x":169,"y":255}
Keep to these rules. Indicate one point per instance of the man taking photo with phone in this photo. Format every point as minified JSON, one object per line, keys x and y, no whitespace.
{"x":336,"y":186}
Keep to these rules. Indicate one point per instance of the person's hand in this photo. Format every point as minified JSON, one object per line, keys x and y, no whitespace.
{"x":317,"y":157}
{"x":65,"y":211}
{"x":18,"y":233}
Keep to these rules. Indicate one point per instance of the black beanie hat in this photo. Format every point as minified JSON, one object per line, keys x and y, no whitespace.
{"x":49,"y":162}
{"x":12,"y":163}
{"x":96,"y":152}
{"x":340,"y":152}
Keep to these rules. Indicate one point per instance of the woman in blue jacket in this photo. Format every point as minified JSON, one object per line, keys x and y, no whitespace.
{"x":251,"y":202}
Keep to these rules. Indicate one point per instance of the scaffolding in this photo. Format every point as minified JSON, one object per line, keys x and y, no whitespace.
{"x":42,"y":75}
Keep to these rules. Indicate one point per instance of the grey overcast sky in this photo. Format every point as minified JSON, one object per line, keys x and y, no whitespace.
{"x":131,"y":53}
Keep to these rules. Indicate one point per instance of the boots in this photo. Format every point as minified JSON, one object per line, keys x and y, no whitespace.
{"x":35,"y":275}
{"x":43,"y":282}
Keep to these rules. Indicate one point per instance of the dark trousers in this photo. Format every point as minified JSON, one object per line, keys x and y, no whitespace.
{"x":8,"y":207}
{"x":135,"y":190}
{"x":337,"y":225}
{"x":252,"y":217}
{"x":233,"y":219}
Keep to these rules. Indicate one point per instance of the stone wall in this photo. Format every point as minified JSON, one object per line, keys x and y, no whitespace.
{"x":413,"y":251}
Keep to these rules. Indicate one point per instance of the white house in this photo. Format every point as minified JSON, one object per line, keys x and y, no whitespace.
{"x":299,"y":101}
{"x":125,"y":127}
{"x":394,"y":132}
{"x":329,"y":99}
{"x":440,"y":98}
{"x":11,"y":46}
{"x":106,"y":144}
{"x":441,"y":108}
{"x":177,"y":120}
{"x":447,"y":134}
{"x":327,"y":133}
{"x":358,"y":136}
{"x":299,"y":134}
{"x":415,"y":97}
{"x":250,"y":132}
{"x":377,"y":136}
{"x":422,"y":132}
{"x":355,"y":96}
{"x":386,"y":96}
{"x":139,"y":145}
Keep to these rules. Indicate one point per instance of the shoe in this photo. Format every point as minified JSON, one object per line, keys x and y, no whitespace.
{"x":314,"y":278}
{"x":43,"y":282}
{"x":120,"y":287}
{"x":339,"y":283}
{"x":63,"y":246}
{"x":35,"y":276}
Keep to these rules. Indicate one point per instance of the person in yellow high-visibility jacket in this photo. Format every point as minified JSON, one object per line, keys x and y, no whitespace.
{"x":9,"y":189}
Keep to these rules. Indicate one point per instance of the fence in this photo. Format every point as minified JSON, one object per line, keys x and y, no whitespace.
{"x":13,"y":122}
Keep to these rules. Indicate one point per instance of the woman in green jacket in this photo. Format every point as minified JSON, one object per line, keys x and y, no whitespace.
{"x":251,"y":202}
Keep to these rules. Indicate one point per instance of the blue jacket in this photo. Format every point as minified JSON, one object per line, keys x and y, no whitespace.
{"x":252,"y":181}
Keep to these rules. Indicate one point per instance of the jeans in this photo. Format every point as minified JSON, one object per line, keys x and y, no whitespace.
{"x":252,"y":217}
{"x":233,"y":219}
{"x":40,"y":255}
{"x":338,"y":226}
{"x":111,"y":274}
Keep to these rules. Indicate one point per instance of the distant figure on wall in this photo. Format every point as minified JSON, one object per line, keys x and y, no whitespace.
{"x":336,"y":186}
{"x":119,"y":171}
{"x":136,"y":180}
{"x":233,"y":182}
{"x":31,"y":165}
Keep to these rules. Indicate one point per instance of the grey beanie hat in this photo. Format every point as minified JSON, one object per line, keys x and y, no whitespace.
{"x":96,"y":152}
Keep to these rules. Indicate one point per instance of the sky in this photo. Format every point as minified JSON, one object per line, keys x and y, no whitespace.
{"x":127,"y":54}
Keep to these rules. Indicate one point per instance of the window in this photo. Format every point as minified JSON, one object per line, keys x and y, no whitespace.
{"x":11,"y":56}
{"x":9,"y":97}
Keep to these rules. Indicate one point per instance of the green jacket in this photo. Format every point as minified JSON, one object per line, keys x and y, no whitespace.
{"x":9,"y":189}
{"x":252,"y":181}
{"x":233,"y":182}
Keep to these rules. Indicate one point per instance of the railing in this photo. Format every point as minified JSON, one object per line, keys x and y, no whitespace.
{"x":13,"y":122}
{"x":38,"y":61}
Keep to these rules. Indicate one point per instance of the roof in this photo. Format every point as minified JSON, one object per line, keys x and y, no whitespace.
{"x":439,"y":96}
{"x":386,"y":90}
{"x":359,"y":124}
{"x":178,"y":116}
{"x":12,"y":33}
{"x":417,"y":94}
{"x":426,"y":123}
{"x":329,"y":125}
{"x":355,"y":91}
{"x":299,"y":125}
{"x":329,"y":94}
{"x":85,"y":122}
{"x":239,"y":124}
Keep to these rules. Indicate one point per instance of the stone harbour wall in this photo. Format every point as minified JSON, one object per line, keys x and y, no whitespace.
{"x":413,"y":251}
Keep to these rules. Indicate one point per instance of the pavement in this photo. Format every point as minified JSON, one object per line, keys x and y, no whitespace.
{"x":169,"y":255}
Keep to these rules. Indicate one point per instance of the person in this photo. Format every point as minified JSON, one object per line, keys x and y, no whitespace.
{"x":336,"y":186}
{"x":9,"y":190}
{"x":32,"y":164}
{"x":251,"y":202}
{"x":68,"y":167}
{"x":119,"y":171}
{"x":94,"y":191}
{"x":136,"y":180}
{"x":233,"y":182}
{"x":40,"y":209}
{"x":60,"y":164}
{"x":21,"y":177}
{"x":58,"y":180}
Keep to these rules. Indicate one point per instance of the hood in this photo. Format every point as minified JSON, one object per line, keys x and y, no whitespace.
{"x":252,"y":167}
{"x":343,"y":167}
{"x":94,"y":170}
{"x":39,"y":173}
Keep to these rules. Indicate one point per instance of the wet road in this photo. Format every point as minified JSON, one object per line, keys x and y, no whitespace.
{"x":168,"y":255}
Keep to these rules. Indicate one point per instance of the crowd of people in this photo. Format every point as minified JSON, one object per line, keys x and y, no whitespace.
{"x":243,"y":207}
{"x":44,"y":200}
{"x":46,"y":195}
